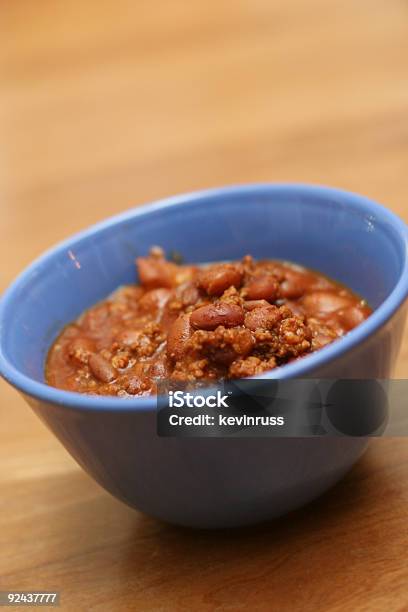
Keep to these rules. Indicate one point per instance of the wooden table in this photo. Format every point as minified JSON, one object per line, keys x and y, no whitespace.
{"x":104,"y":105}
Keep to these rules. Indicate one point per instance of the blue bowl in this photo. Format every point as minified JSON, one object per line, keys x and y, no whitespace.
{"x":210,"y":482}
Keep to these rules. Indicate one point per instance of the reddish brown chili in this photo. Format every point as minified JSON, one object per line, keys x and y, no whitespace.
{"x":189,"y":323}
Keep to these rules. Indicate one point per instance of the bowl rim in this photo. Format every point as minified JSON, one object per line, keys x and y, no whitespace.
{"x":301,"y":368}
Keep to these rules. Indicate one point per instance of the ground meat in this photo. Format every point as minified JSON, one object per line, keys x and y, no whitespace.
{"x":251,"y":366}
{"x":187,"y":323}
{"x":218,"y":278}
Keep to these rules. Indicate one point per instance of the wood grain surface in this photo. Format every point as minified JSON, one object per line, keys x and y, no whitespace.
{"x":105,"y":105}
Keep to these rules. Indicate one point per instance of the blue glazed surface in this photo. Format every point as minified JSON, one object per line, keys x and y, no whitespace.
{"x":210,"y":482}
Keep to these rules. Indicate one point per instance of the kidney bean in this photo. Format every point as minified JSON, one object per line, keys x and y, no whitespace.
{"x":352,"y":316}
{"x":263,"y":287}
{"x":262,"y":318}
{"x":220,"y":313}
{"x":217,"y":278}
{"x":154,"y":301}
{"x":294,"y":285}
{"x":177,"y":337}
{"x":101,"y":368}
{"x":155,"y":272}
{"x":324,"y":302}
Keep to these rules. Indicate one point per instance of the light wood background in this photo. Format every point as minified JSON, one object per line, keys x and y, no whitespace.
{"x":105,"y":105}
